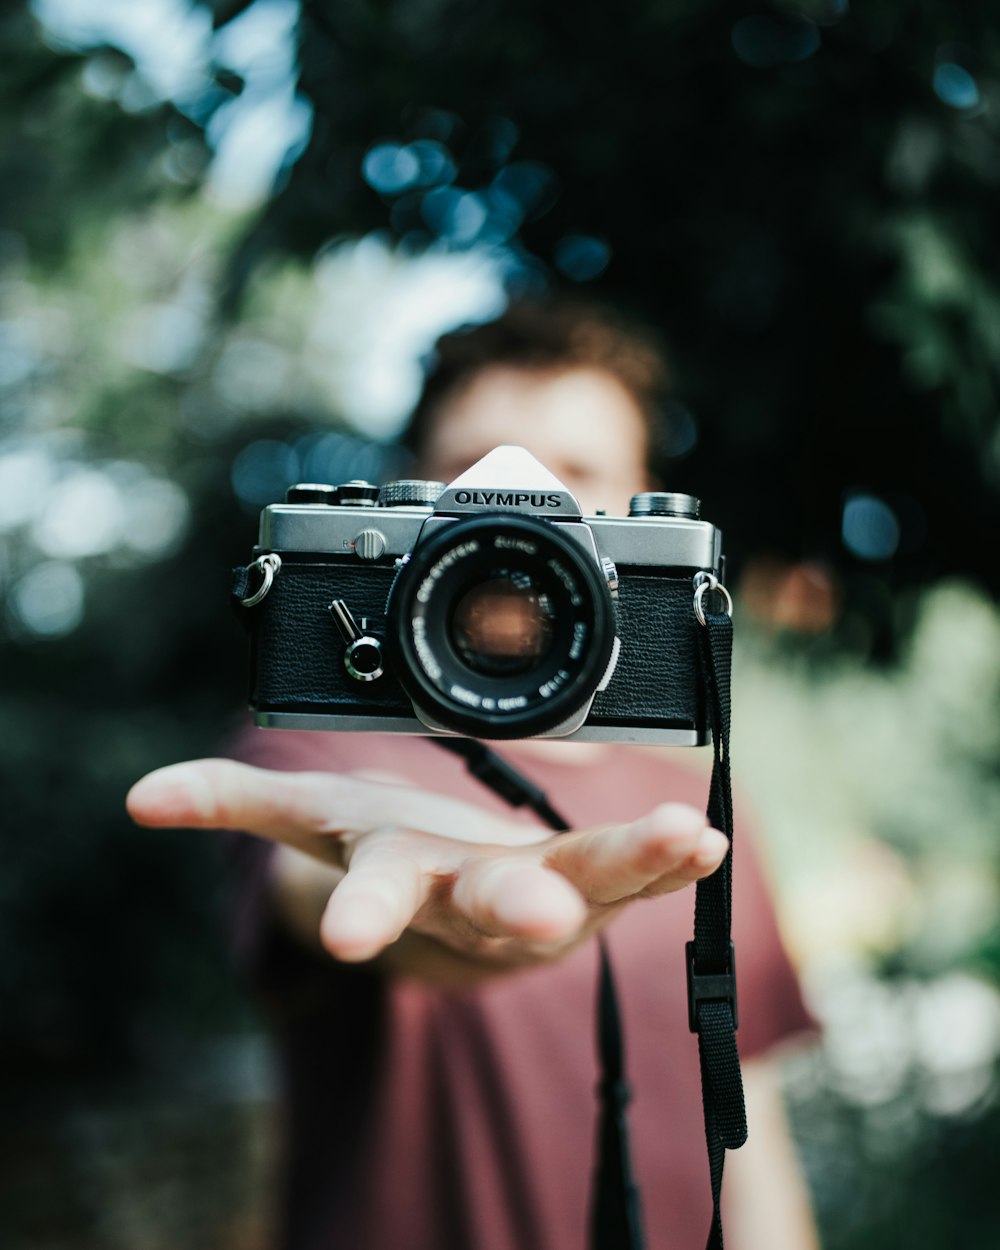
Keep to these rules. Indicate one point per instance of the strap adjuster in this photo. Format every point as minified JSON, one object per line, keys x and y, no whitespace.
{"x":710,"y":987}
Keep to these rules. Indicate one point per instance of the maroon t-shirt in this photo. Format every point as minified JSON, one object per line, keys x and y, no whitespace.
{"x":420,"y":1119}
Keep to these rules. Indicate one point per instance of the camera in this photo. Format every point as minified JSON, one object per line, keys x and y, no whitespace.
{"x":489,"y":607}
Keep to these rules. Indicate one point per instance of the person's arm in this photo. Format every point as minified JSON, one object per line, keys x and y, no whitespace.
{"x":765,"y":1201}
{"x":470,"y":893}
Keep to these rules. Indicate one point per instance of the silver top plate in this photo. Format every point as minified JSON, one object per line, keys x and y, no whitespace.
{"x":656,"y":541}
{"x":509,"y":480}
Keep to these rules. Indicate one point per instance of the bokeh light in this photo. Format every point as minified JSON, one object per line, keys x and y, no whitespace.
{"x":765,"y":42}
{"x":48,"y":601}
{"x":263,"y":470}
{"x":581,"y":257}
{"x":955,"y":86}
{"x":869,"y":527}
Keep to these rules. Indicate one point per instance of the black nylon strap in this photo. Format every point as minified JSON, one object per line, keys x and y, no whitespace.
{"x":616,"y":1222}
{"x":240,"y":584}
{"x":616,"y":1209}
{"x":711,"y":968}
{"x":500,"y":776}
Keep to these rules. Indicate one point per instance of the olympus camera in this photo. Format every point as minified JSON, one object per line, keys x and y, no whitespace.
{"x":488,"y":607}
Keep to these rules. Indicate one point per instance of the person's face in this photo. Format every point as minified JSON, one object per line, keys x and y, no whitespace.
{"x":581,"y":423}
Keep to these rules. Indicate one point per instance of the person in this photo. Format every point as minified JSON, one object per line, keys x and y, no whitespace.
{"x":426,"y":954}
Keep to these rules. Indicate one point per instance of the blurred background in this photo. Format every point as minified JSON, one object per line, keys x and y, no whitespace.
{"x":229,"y":235}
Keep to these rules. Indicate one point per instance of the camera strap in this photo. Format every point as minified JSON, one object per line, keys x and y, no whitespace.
{"x":616,"y":1215}
{"x":711,"y":967}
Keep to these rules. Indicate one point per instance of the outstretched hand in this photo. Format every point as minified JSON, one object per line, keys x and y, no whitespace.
{"x":482,"y":885}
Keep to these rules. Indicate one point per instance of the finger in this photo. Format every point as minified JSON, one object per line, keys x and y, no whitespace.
{"x":371,"y":907}
{"x":222,"y":794}
{"x":662,"y":851}
{"x":513,"y":898}
{"x":702,"y":862}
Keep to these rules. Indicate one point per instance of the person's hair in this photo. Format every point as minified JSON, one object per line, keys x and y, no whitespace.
{"x":544,"y":336}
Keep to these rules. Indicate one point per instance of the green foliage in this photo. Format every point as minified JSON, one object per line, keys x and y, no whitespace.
{"x":894,"y":1176}
{"x":801,"y":197}
{"x":66,"y":154}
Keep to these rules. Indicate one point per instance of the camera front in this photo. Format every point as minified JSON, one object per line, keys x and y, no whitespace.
{"x":487,"y":607}
{"x":500,"y":627}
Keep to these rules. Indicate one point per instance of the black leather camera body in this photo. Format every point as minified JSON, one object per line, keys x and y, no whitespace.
{"x":489,"y":607}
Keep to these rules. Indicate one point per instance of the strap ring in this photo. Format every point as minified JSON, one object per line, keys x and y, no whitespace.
{"x":269,"y":566}
{"x":704,"y":582}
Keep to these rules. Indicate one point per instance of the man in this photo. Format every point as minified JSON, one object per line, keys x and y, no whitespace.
{"x":440,"y":1066}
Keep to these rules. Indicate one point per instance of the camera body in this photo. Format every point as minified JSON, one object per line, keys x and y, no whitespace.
{"x":489,"y":607}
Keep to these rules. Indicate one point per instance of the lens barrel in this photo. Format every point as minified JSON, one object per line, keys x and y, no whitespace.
{"x":500,"y":626}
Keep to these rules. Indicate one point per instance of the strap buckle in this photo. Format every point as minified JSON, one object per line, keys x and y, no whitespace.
{"x":710,"y":987}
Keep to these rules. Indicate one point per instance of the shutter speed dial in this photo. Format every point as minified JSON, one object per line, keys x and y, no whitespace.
{"x":664,"y":503}
{"x":411,"y":493}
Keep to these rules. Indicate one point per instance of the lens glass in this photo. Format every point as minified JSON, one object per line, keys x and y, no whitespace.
{"x":503,"y":626}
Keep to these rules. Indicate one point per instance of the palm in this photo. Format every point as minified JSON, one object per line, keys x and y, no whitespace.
{"x":479,"y":883}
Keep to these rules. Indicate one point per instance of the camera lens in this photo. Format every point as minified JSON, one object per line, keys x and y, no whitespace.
{"x":503,"y":626}
{"x":500,"y":626}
